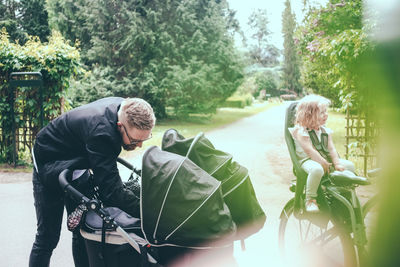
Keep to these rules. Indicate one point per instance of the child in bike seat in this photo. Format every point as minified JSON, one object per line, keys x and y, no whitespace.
{"x":314,"y":145}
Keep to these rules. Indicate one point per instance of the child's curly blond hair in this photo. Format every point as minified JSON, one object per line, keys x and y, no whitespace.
{"x":308,"y":110}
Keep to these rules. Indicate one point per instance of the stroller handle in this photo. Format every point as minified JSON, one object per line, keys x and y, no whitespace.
{"x":79,"y":197}
{"x":69,"y":189}
{"x":128,"y":165}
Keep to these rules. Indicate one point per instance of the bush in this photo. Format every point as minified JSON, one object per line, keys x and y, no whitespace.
{"x":289,"y":97}
{"x":248,"y":86}
{"x":57,"y":62}
{"x":267,"y":81}
{"x":238,"y":101}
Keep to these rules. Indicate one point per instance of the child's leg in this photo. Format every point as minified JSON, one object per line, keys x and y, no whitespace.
{"x":347,"y":165}
{"x":315,"y":173}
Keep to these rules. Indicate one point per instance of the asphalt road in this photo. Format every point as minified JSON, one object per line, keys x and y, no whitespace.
{"x":255,"y":142}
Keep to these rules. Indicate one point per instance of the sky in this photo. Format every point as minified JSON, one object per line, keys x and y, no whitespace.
{"x":274,"y":8}
{"x":386,"y":12}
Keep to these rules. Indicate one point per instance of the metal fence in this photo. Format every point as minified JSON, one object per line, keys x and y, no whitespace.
{"x":22,"y":115}
{"x":362,"y":132}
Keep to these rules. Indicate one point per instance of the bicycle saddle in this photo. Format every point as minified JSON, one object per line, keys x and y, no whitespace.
{"x":347,"y":178}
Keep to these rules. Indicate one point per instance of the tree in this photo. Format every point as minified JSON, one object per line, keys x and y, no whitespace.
{"x":23,"y":18}
{"x":34,"y":18}
{"x":331,"y":40}
{"x":267,"y":81}
{"x":210,"y":71}
{"x":262,"y":52}
{"x":291,"y":72}
{"x":70,"y":18}
{"x":177,"y":54}
{"x":9,"y":20}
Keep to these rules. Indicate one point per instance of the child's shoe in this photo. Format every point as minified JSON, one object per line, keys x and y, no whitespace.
{"x":311,"y":206}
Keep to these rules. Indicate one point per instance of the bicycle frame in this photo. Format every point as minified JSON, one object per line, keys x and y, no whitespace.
{"x":355,"y":211}
{"x":349,"y":218}
{"x":352,"y":205}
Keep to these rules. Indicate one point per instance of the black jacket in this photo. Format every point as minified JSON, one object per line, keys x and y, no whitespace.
{"x":86,"y":137}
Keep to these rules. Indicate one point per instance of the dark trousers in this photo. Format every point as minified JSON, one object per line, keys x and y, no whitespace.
{"x":49,"y":205}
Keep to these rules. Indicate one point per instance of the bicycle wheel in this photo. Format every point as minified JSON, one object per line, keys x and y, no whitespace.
{"x":314,"y":240}
{"x":370,"y":212}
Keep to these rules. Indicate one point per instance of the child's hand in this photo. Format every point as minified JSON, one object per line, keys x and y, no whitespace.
{"x":326,"y":165}
{"x":339,"y":167}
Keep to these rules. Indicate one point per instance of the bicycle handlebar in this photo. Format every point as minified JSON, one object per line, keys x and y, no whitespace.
{"x":374,"y":173}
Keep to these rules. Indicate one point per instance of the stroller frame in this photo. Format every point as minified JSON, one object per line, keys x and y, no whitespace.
{"x":95,"y":206}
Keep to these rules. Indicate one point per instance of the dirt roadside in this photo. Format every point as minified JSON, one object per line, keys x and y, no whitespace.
{"x":14,"y":177}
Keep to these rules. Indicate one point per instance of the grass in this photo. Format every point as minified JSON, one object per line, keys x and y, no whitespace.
{"x":188,"y":127}
{"x":10,"y":168}
{"x":337,"y":122}
{"x":191,"y":126}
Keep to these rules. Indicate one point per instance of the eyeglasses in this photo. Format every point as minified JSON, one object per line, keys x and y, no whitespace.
{"x":135,"y":141}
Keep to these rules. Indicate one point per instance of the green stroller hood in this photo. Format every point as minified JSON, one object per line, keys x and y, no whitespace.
{"x":181,"y":204}
{"x":237,"y":189}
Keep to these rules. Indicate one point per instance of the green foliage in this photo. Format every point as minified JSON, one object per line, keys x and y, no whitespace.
{"x":34,"y":19}
{"x":93,"y":85}
{"x":262,"y":52}
{"x":381,"y":81}
{"x":267,"y":81}
{"x":56,"y":60}
{"x":291,"y":72}
{"x":248,"y":86}
{"x":331,"y":41}
{"x":9,"y":20}
{"x":23,"y":18}
{"x":177,"y":54}
{"x":238,"y":101}
{"x":69,"y":18}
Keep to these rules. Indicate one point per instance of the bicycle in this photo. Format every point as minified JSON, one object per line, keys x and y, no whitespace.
{"x":338,"y":232}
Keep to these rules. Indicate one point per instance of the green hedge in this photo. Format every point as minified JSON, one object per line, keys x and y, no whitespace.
{"x":57,"y":61}
{"x":238,"y":101}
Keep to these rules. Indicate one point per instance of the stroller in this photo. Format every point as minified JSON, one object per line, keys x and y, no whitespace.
{"x":112,"y":237}
{"x":184,"y":210}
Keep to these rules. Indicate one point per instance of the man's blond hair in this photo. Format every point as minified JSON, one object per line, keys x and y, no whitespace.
{"x":137,"y":113}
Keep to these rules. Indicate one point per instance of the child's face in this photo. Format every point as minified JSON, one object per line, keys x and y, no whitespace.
{"x":323,"y":116}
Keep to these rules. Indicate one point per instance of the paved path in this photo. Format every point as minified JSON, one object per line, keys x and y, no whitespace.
{"x":255,"y":142}
{"x":18,"y":224}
